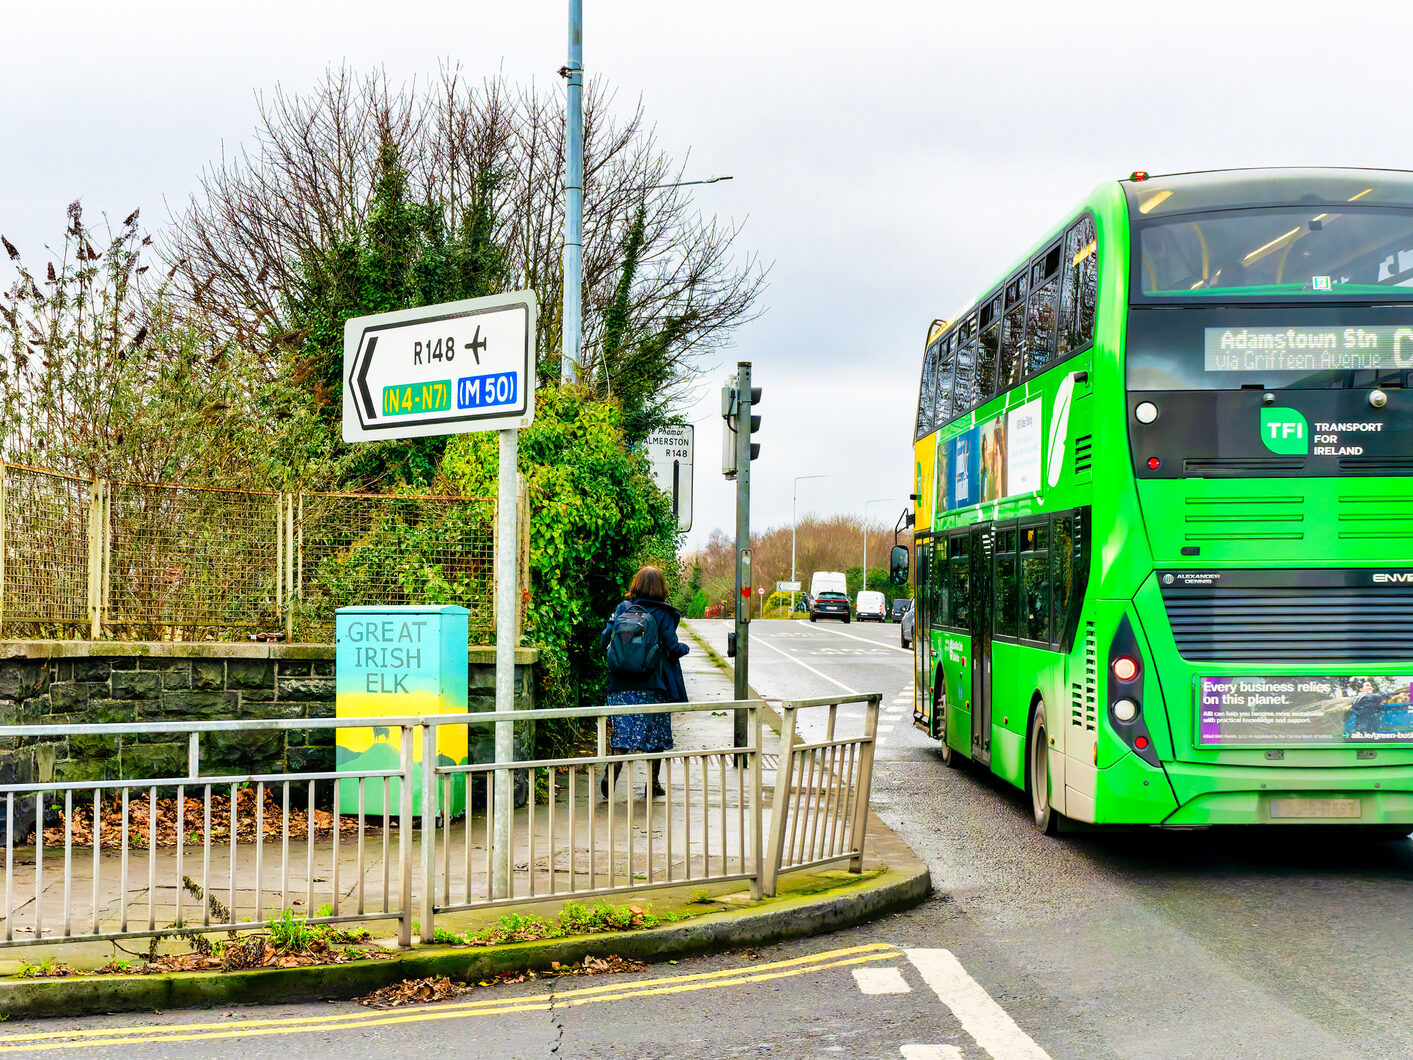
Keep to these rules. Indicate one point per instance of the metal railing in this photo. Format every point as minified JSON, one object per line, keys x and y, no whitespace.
{"x":567,"y":841}
{"x":822,"y":788}
{"x":81,"y":557}
{"x":101,"y":889}
{"x":128,"y":858}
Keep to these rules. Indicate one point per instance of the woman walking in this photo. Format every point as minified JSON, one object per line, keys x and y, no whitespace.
{"x":659,"y":683}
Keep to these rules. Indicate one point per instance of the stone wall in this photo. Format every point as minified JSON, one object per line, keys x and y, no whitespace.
{"x":83,"y":683}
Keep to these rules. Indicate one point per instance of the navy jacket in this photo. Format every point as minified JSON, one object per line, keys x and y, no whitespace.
{"x":668,"y":681}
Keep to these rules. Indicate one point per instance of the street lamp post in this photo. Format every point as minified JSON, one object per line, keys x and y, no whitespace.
{"x":863,"y":583}
{"x":794,"y":506}
{"x":573,"y":261}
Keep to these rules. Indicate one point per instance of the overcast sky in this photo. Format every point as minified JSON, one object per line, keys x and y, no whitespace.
{"x":889,"y":159}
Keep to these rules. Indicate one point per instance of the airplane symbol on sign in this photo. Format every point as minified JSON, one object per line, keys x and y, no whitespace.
{"x":476,"y":344}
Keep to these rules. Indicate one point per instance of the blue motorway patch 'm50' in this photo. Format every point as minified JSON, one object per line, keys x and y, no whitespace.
{"x":480,"y":391}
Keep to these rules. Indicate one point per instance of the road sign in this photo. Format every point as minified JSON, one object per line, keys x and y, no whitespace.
{"x":669,"y":452}
{"x":441,"y":369}
{"x":787,"y":587}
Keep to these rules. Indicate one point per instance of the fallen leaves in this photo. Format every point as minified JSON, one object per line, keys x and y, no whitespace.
{"x":241,"y":957}
{"x":415,"y":992}
{"x":187,"y":820}
{"x":611,"y":964}
{"x":441,"y":988}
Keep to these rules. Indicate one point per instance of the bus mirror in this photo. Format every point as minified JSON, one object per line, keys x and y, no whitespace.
{"x":898,"y":565}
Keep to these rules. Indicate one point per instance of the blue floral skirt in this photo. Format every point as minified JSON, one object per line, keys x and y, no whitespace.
{"x":638,"y":732}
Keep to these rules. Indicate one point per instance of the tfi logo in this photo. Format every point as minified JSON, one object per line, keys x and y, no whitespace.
{"x":1285,"y":431}
{"x":1396,"y":579}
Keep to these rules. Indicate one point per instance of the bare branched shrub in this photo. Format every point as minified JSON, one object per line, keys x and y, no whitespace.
{"x":278,"y":208}
{"x":100,"y":377}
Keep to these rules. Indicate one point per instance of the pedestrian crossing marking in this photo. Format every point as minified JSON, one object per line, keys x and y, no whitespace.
{"x":930,"y":1052}
{"x":975,"y":1009}
{"x":881,"y":981}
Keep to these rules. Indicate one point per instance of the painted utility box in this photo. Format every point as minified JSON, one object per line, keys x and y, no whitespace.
{"x":399,"y":661}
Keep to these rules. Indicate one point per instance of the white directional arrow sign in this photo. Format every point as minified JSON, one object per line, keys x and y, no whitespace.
{"x":442,"y":369}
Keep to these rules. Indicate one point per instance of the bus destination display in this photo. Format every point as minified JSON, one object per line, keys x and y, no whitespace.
{"x":1305,"y":709}
{"x":1309,"y":349}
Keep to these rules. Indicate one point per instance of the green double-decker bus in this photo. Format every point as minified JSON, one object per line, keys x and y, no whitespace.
{"x":1164,"y":524}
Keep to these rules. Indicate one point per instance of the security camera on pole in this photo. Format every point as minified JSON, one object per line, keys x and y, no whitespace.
{"x":738,"y":399}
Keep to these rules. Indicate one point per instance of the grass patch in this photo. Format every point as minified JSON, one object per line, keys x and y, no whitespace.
{"x":48,"y":968}
{"x":575,"y":918}
{"x":834,"y":885}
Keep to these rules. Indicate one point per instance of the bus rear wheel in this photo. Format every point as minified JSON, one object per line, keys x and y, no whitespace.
{"x":1043,"y":815}
{"x":950,"y":757}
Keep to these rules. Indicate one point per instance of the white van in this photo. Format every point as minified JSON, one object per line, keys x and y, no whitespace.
{"x":828,"y":596}
{"x":869,"y":606}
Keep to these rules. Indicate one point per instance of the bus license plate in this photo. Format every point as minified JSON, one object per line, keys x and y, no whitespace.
{"x":1325,"y":808}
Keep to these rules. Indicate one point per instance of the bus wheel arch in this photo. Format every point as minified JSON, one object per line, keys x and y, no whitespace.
{"x":1037,"y":769}
{"x":950,"y":756}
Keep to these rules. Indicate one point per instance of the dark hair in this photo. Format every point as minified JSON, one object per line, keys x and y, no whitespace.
{"x":648,"y":584}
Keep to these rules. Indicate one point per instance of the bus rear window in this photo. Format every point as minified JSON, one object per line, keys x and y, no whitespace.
{"x":1314,"y":253}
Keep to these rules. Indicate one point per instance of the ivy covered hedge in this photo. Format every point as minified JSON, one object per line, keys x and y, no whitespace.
{"x":595,"y":517}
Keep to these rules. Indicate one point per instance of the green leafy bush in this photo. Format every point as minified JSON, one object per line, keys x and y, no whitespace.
{"x":595,"y":517}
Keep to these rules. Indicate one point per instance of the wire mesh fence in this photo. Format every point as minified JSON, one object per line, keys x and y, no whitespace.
{"x":353,"y":549}
{"x":93,"y":558}
{"x":183,"y":561}
{"x":44,"y":548}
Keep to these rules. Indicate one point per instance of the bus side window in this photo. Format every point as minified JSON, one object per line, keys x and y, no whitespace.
{"x":926,"y":388}
{"x":1079,"y":289}
{"x":988,"y":351}
{"x":959,"y":579}
{"x":1013,"y":333}
{"x":940,"y":596}
{"x":923,"y":564}
{"x":964,"y":383}
{"x":945,"y":369}
{"x":1040,"y":311}
{"x":1035,"y":583}
{"x":1062,"y":574}
{"x":1005,"y":625}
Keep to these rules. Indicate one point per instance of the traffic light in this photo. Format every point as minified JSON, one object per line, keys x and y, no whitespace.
{"x":736,"y":403}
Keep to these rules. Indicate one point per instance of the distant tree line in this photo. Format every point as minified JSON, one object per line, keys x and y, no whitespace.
{"x":834,"y":543}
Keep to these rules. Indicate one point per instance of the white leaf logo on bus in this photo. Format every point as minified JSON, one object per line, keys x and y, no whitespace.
{"x":1059,"y":430}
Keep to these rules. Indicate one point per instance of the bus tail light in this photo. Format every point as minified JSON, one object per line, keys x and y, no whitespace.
{"x":1126,"y":693}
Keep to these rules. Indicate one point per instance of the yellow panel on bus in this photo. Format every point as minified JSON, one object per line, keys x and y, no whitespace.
{"x":924,"y":481}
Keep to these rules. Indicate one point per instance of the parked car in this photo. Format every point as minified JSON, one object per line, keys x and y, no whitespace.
{"x":900,"y":607}
{"x":830,"y":605}
{"x":905,"y":630}
{"x":870,"y":605}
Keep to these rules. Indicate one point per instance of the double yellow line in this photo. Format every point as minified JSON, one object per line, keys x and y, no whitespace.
{"x":190,"y":1032}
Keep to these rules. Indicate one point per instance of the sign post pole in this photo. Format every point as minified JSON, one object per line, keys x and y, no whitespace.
{"x":507,"y":549}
